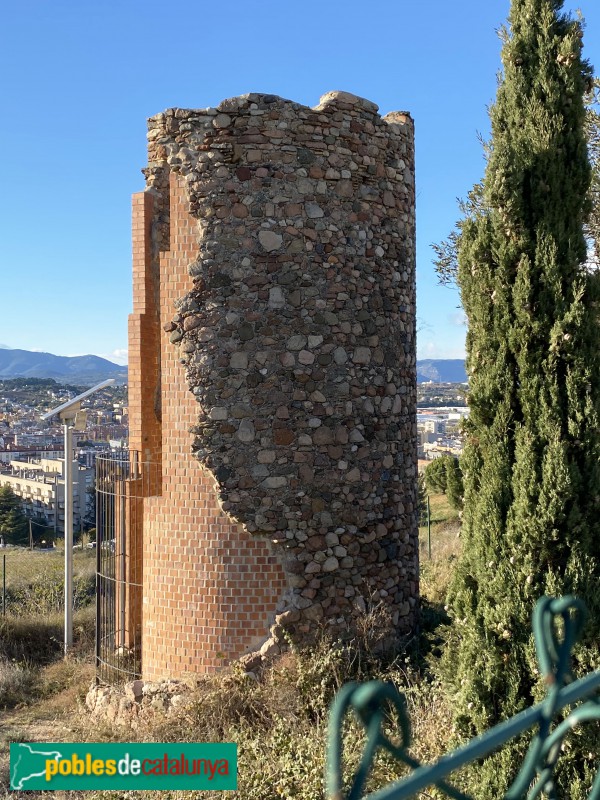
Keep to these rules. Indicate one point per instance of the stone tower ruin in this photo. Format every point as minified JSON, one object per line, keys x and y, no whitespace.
{"x":272,"y":377}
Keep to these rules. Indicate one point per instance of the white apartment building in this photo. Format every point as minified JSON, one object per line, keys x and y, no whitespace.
{"x":41,"y":486}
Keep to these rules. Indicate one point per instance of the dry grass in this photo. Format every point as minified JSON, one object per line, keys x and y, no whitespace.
{"x":48,"y":712}
{"x":17,"y":682}
{"x":445,"y":547}
{"x":24,"y":566}
{"x":40,"y":691}
{"x":35,"y":580}
{"x":279,"y":723}
{"x":38,"y":639}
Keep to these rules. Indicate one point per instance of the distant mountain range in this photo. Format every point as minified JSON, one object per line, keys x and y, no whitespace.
{"x":442,"y":370}
{"x":79,"y":370}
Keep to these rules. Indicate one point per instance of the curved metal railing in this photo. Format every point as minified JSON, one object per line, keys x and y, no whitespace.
{"x":120,"y":478}
{"x":372,"y":702}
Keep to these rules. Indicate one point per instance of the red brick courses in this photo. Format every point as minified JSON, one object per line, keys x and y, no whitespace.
{"x":210,"y":590}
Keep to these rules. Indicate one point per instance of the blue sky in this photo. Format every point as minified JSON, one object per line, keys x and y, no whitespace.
{"x":80,"y":79}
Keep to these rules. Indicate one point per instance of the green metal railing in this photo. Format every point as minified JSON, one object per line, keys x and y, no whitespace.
{"x":373,"y":701}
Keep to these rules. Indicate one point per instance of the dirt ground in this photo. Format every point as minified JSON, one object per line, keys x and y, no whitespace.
{"x":57,"y":718}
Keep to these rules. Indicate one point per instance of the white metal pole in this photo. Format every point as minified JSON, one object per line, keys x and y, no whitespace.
{"x":68,"y":534}
{"x":66,"y":413}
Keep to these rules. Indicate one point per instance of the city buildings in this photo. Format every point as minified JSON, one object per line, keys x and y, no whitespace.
{"x":439,"y":431}
{"x":31,"y":451}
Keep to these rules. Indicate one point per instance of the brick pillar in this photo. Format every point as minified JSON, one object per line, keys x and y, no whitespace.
{"x":210,"y":589}
{"x":144,"y":336}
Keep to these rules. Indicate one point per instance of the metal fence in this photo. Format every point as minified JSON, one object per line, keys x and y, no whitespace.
{"x":121,"y":483}
{"x":371,"y":702}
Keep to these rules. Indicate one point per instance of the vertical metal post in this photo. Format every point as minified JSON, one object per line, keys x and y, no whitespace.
{"x":99,"y":586}
{"x":428,"y":528}
{"x":55,"y":505}
{"x":4,"y":585}
{"x":121,"y":555}
{"x":68,"y":423}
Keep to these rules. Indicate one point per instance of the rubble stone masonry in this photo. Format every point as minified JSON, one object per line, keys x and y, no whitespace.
{"x":277,"y":259}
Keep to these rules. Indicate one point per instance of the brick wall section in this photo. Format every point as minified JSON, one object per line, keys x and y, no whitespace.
{"x":144,"y":397}
{"x":144,"y":353}
{"x":210,"y":589}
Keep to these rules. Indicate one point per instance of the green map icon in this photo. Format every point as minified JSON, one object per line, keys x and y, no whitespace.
{"x":27,"y":762}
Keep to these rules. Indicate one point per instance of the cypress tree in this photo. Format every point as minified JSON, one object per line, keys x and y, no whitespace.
{"x":454,"y":482}
{"x":531,"y":465}
{"x":436,"y":477}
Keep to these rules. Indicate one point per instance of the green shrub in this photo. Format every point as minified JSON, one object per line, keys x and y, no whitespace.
{"x":435,"y":475}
